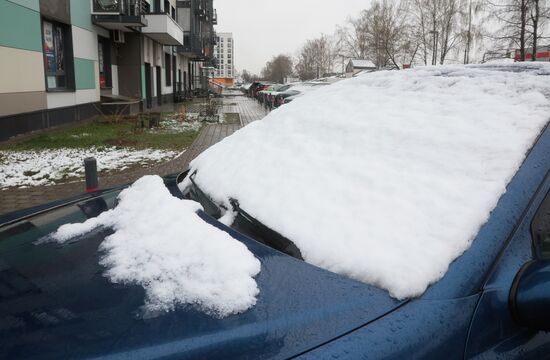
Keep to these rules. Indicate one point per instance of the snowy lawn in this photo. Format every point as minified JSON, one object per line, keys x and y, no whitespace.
{"x":57,"y":155}
{"x":386,"y":177}
{"x":46,"y":167}
{"x":160,"y":243}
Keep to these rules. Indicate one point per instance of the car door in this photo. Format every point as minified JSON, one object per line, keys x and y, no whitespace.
{"x":494,"y":332}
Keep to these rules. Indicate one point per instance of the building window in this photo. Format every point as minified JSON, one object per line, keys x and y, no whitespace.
{"x":168,"y":68}
{"x":57,"y":56}
{"x":104,"y":60}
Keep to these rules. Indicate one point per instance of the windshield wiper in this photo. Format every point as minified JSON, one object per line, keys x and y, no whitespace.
{"x":244,"y":222}
{"x":208,"y":205}
{"x":247,"y":223}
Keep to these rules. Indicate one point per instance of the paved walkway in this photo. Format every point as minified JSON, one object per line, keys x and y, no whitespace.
{"x":15,"y":198}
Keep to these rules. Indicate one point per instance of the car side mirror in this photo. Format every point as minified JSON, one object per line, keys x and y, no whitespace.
{"x":530,"y":296}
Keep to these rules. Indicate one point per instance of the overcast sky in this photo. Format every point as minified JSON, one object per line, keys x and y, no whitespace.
{"x":264,"y":28}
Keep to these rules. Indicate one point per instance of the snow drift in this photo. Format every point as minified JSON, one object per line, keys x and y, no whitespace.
{"x":160,"y":243}
{"x":386,"y":177}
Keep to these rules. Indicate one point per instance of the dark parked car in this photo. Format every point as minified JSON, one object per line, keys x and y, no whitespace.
{"x":294,"y":92}
{"x":492,"y":302}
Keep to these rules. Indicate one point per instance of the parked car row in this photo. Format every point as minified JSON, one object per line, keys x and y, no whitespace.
{"x":274,"y":95}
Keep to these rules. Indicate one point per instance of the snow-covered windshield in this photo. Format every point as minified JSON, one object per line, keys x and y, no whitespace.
{"x":386,"y":177}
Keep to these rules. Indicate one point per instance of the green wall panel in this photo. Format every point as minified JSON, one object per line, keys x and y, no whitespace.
{"x":19,"y":27}
{"x":81,"y":14}
{"x":84,"y":72}
{"x":31,"y":4}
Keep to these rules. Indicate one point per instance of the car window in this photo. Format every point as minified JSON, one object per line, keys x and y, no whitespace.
{"x":540,"y":229}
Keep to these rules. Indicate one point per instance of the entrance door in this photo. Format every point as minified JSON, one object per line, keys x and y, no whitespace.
{"x":148,"y":86}
{"x":159,"y":85}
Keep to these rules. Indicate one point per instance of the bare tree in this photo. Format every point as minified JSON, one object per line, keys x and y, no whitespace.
{"x":389,"y":35}
{"x":513,"y":16}
{"x":535,"y":20}
{"x":316,"y":58}
{"x":418,"y":12}
{"x":249,"y":77}
{"x":473,"y":23}
{"x":279,"y":68}
{"x":352,"y":37}
{"x":538,"y":15}
{"x":450,"y":31}
{"x":437,"y":26}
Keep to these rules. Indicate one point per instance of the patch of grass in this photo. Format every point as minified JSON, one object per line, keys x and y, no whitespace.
{"x":100,"y":134}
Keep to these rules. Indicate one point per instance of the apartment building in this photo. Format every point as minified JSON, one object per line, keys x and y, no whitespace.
{"x":68,"y":60}
{"x":224,"y":52}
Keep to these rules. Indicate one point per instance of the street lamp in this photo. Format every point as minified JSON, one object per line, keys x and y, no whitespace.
{"x":435,"y":34}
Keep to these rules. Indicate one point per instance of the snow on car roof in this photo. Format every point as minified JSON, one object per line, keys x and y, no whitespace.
{"x":363,"y":64}
{"x":160,"y":243}
{"x":387,"y":177}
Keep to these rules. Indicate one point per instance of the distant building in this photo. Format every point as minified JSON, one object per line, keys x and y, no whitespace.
{"x":543,"y":54}
{"x":224,"y":52}
{"x":355,"y":66}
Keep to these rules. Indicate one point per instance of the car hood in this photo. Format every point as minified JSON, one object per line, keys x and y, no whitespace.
{"x":56,"y":303}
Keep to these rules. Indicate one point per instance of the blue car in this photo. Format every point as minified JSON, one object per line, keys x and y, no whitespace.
{"x":493,"y":302}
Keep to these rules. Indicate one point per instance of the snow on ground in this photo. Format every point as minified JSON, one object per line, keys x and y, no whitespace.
{"x":46,"y":167}
{"x":386,"y":177}
{"x":160,"y":243}
{"x":175,"y":125}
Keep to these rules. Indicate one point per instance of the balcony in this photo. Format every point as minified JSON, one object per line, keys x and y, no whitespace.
{"x":119,"y":14}
{"x":200,"y":8}
{"x":162,"y":28}
{"x":192,"y":46}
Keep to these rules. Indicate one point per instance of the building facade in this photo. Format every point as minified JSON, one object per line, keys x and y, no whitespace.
{"x":224,"y":52}
{"x":69,"y":60}
{"x":543,"y":54}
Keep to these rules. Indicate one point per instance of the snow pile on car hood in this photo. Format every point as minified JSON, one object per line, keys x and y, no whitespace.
{"x":386,"y":177}
{"x":160,"y":243}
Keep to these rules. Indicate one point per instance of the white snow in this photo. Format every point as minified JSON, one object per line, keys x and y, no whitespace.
{"x":46,"y":167}
{"x":160,"y":243}
{"x":175,"y":125}
{"x":362,"y":64}
{"x":386,"y":177}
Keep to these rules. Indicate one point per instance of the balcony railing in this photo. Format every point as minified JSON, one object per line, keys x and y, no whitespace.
{"x":215,"y":17}
{"x":112,"y":14}
{"x":192,"y":45}
{"x":200,"y":8}
{"x":120,"y":7}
